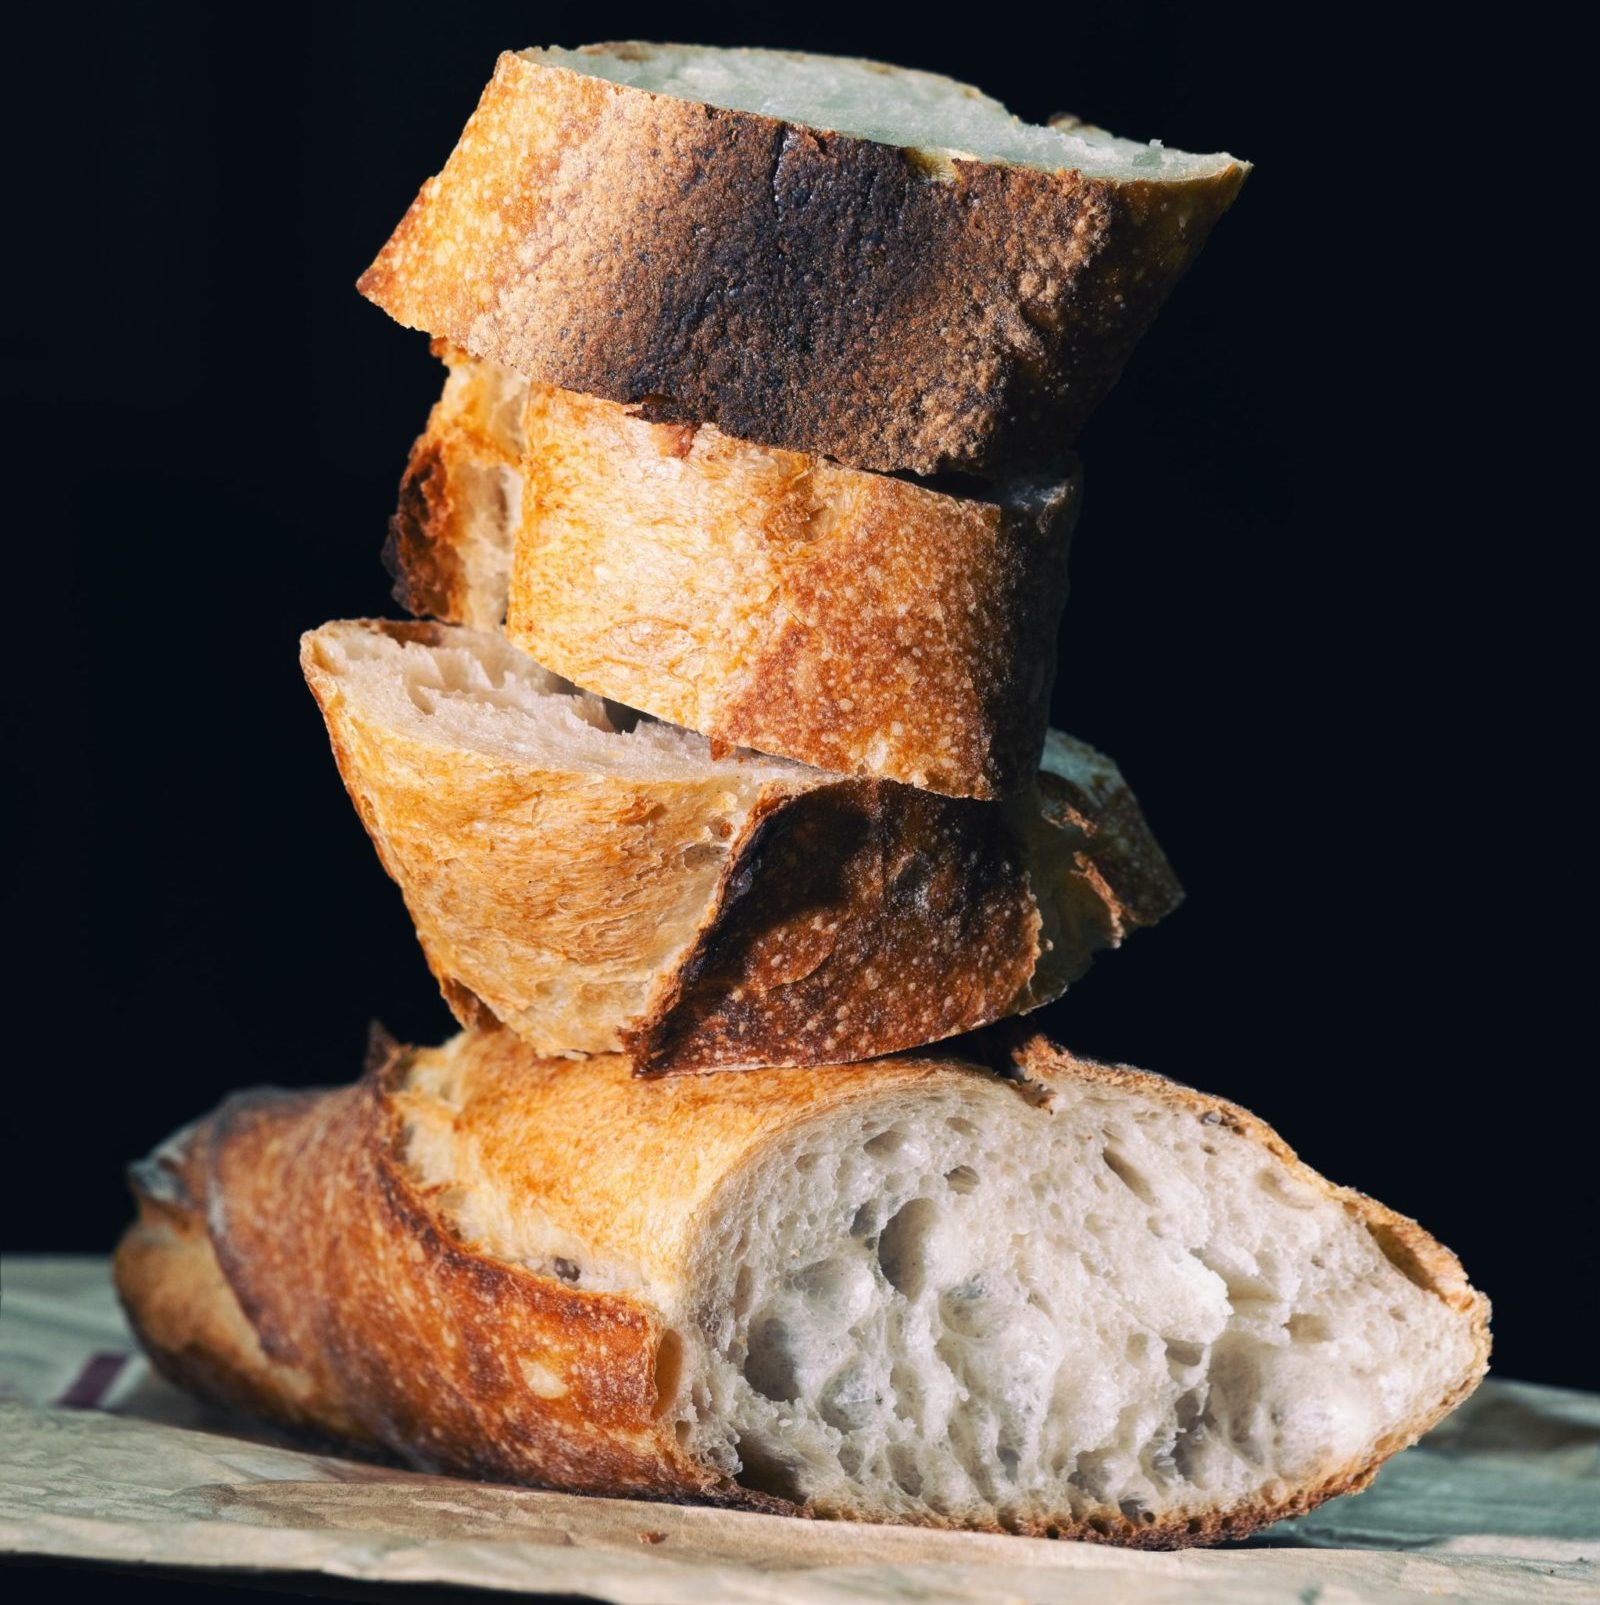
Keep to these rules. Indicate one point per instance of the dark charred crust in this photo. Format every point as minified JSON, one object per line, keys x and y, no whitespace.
{"x":420,"y":553}
{"x":795,"y":287}
{"x":887,"y":918}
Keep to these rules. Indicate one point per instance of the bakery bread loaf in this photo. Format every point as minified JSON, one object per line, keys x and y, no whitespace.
{"x":768,"y":599}
{"x":832,"y":256}
{"x":598,"y":881}
{"x":1082,"y":1301}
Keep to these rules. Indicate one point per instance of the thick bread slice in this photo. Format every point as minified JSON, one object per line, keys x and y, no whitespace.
{"x":1083,"y":1302}
{"x":768,"y":599}
{"x":833,"y":256}
{"x":599,"y":881}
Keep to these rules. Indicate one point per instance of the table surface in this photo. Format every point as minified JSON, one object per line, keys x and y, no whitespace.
{"x":101,"y":1461}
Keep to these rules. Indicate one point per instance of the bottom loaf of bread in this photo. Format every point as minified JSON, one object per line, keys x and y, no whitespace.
{"x":1041,"y":1295}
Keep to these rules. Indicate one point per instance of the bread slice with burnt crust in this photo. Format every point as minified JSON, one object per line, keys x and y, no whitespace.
{"x":600,"y":881}
{"x":868,"y":263}
{"x":857,"y":622}
{"x":1082,"y":1301}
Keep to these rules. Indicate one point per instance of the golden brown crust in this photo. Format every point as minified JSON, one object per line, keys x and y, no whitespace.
{"x":299,"y":1270}
{"x":794,"y":287}
{"x":806,"y":920}
{"x":857,"y":622}
{"x":407,"y":1339}
{"x":185,"y":1314}
{"x":858,"y":918}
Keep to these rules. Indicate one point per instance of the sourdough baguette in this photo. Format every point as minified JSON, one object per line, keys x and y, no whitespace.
{"x":832,"y":256}
{"x":599,"y":881}
{"x":1083,"y":1302}
{"x":768,"y":599}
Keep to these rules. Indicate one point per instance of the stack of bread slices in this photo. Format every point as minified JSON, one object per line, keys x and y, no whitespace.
{"x":715,"y":772}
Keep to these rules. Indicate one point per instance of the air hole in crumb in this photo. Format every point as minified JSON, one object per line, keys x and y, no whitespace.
{"x":961,"y":1125}
{"x":1286,"y":1190}
{"x":698,"y":853}
{"x":1398,"y":1251}
{"x":1052,"y":1531}
{"x":903,"y":1463}
{"x":769,"y":1367}
{"x":1305,"y":1327}
{"x":766,"y":1473}
{"x":1185,"y":1354}
{"x":886,"y":1144}
{"x":963,"y":1179}
{"x":682,"y":1431}
{"x":1129,"y":1175}
{"x":901,"y":1244}
{"x":805,"y":1163}
{"x":865,"y":1220}
{"x":565,"y":1269}
{"x":743,"y":1286}
{"x":669,"y":1371}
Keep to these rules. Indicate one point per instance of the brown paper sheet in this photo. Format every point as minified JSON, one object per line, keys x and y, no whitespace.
{"x":101,"y":1461}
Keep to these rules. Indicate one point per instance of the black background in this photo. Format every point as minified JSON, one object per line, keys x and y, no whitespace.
{"x":1302,"y":619}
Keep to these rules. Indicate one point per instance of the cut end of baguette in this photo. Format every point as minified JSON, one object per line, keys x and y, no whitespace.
{"x":1087,"y":1301}
{"x":472,"y":691}
{"x":1119,"y":1310}
{"x":900,"y":106}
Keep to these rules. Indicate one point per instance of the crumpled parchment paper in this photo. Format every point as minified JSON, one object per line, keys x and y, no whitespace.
{"x":101,"y":1461}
